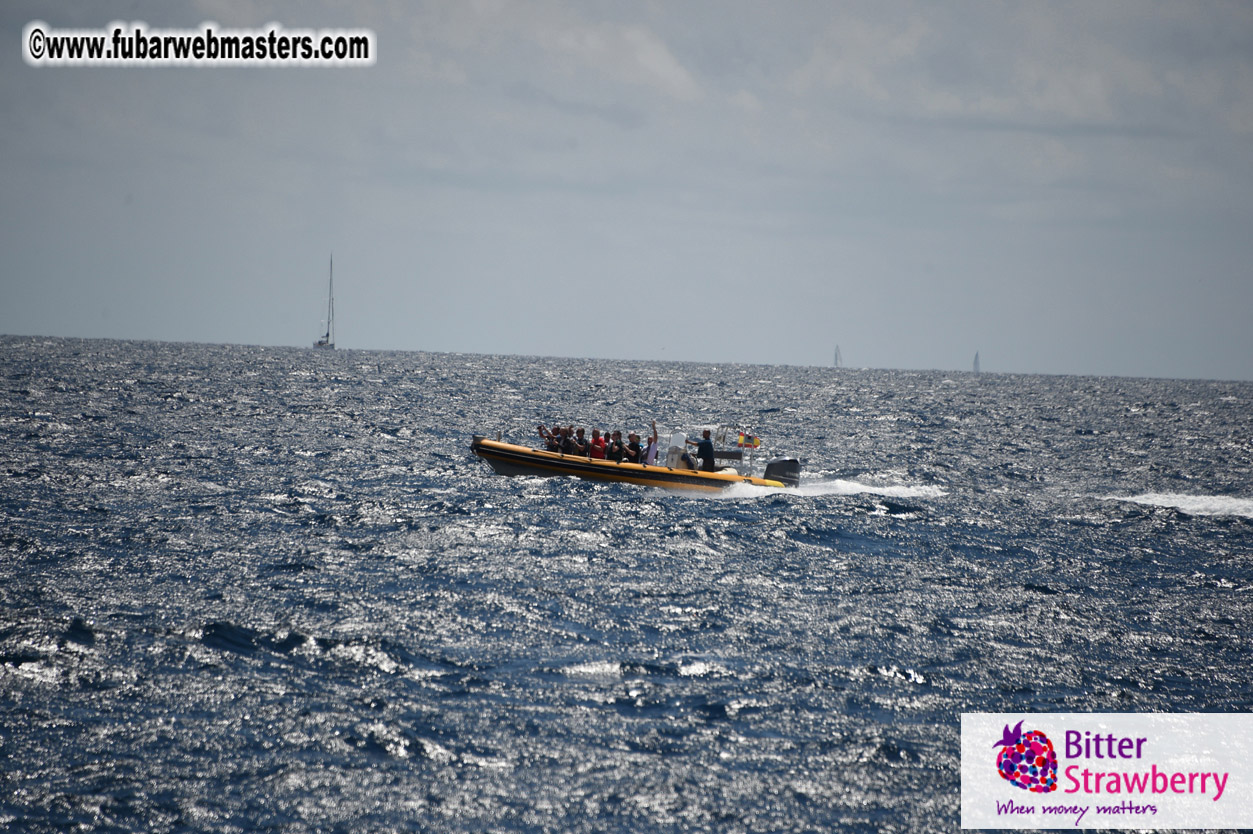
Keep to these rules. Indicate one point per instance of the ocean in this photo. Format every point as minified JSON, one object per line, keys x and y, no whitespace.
{"x":270,"y":589}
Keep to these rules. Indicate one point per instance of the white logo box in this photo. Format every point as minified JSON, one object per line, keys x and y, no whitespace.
{"x":1113,"y":770}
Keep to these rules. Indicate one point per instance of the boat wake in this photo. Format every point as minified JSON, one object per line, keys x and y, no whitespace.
{"x":835,"y":486}
{"x":840,"y":486}
{"x":1218,"y":505}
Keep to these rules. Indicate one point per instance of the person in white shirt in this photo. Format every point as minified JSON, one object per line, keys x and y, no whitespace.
{"x":650,"y":454}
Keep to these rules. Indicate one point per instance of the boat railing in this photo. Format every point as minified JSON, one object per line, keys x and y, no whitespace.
{"x":743,"y":454}
{"x":741,"y":459}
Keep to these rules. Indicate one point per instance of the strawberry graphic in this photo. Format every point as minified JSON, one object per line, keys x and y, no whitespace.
{"x":1027,"y":760}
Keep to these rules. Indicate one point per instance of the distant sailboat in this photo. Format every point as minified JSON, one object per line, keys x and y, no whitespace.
{"x":976,"y":365}
{"x":839,"y":359}
{"x":328,"y":341}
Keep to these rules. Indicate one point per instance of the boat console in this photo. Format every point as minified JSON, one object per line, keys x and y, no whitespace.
{"x":674,"y":455}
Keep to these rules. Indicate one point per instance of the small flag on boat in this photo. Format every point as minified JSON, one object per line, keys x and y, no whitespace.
{"x":749,"y":440}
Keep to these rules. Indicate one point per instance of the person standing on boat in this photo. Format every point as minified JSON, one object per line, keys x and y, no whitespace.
{"x":552,"y":441}
{"x":704,"y":451}
{"x":633,"y":453}
{"x":596,"y":449}
{"x":581,"y":446}
{"x":615,"y":450}
{"x":650,"y":453}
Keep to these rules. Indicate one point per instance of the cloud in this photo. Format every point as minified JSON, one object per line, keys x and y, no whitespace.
{"x":627,"y":53}
{"x":860,"y":58}
{"x":895,"y":176}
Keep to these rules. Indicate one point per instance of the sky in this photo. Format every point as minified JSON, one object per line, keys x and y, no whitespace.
{"x":1064,"y":187}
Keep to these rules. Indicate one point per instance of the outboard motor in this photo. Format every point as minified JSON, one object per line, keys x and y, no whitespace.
{"x":678,"y":445}
{"x":786,"y":471}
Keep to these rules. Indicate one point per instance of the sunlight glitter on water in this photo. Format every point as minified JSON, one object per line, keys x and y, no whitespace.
{"x":271,"y":589}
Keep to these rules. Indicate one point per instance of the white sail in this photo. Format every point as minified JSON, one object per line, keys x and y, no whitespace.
{"x":839,"y":359}
{"x":976,"y":365}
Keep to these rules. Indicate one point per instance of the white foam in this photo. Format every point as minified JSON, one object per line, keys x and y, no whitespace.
{"x":837,"y":486}
{"x":700,"y":668}
{"x":366,"y":656}
{"x":594,"y":669}
{"x":1226,"y":505}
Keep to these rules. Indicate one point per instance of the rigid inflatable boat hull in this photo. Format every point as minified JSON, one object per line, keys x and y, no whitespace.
{"x":511,"y":459}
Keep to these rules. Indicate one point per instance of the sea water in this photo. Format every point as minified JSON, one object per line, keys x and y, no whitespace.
{"x":254,"y":589}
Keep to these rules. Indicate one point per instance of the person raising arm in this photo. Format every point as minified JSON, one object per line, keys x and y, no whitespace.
{"x":650,"y":452}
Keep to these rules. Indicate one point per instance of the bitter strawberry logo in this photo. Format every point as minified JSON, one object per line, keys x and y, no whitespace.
{"x":1027,"y":760}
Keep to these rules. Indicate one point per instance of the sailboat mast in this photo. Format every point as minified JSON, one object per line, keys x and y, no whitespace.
{"x":328,"y":341}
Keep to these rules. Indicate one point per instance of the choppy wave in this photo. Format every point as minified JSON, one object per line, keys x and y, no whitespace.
{"x":271,"y":589}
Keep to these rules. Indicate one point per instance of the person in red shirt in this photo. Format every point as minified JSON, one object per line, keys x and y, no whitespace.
{"x":596,"y":448}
